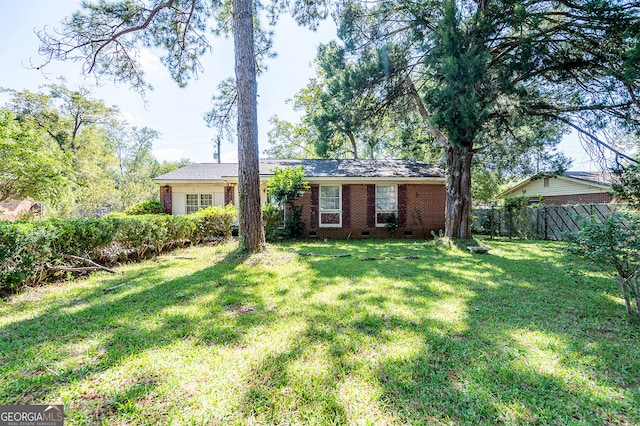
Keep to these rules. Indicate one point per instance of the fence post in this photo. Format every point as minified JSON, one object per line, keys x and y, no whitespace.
{"x":491,"y":223}
{"x":546,"y":225}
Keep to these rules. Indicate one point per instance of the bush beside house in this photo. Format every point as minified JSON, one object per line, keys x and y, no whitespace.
{"x":30,"y":251}
{"x":145,"y":207}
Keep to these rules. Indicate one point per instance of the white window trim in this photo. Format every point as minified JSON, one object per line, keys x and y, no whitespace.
{"x":380,"y":225}
{"x":338,"y":211}
{"x":200,"y":206}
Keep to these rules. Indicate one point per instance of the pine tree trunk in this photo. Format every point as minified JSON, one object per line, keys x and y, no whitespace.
{"x":251,"y":227}
{"x":458,"y":211}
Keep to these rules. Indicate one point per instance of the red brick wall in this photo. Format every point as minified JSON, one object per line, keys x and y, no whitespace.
{"x":228,"y":195}
{"x":165,"y":198}
{"x":601,"y":197}
{"x":425,"y":207}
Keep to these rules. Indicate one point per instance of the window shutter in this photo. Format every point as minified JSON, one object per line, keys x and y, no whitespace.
{"x":346,"y":206}
{"x":402,"y":204}
{"x":314,"y":207}
{"x":371,"y":206}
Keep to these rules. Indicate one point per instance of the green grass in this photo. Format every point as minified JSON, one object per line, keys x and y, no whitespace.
{"x":526,"y":334}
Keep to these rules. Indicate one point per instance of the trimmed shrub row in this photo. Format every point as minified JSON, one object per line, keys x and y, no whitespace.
{"x":29,"y":249}
{"x":145,"y":207}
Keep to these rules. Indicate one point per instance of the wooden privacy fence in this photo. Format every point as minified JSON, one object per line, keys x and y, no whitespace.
{"x":541,"y":222}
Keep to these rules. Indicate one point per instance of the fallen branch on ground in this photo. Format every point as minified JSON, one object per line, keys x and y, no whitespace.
{"x":72,"y":268}
{"x":386,"y":258}
{"x":107,"y":290}
{"x":478,"y":249}
{"x":322,"y":255}
{"x":88,"y":262}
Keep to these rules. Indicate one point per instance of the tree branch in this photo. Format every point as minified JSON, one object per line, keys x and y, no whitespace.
{"x":126,"y":31}
{"x":413,"y":93}
{"x":593,"y":138}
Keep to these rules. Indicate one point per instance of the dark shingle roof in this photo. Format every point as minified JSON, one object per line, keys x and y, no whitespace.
{"x":602,"y":178}
{"x":312,"y":168}
{"x":201,"y":172}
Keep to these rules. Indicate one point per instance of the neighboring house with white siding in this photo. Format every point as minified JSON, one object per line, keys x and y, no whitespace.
{"x":346,"y":198}
{"x":567,"y":188}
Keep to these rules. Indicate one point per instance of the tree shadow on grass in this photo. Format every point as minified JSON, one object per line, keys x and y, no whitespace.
{"x":451,"y":337}
{"x":528,"y":353}
{"x":305,"y":382}
{"x":129,"y":402}
{"x":524,"y":343}
{"x":77,"y":339}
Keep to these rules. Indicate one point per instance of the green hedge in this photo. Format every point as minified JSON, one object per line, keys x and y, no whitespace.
{"x":145,"y":207}
{"x":27,"y":249}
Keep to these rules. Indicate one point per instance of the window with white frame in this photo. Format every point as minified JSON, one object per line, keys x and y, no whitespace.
{"x":196,"y":202}
{"x":330,"y":206}
{"x":386,"y":202}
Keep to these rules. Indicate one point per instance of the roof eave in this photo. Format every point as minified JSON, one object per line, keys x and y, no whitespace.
{"x":514,"y":188}
{"x":362,"y":179}
{"x":526,"y":181}
{"x":188,"y":181}
{"x":588,"y":182}
{"x":234,"y":179}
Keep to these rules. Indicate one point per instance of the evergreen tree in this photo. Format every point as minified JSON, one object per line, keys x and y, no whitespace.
{"x":481,"y":72}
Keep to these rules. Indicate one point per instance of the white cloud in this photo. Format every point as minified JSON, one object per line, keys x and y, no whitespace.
{"x":150,"y":62}
{"x":127,"y":116}
{"x":168,"y":154}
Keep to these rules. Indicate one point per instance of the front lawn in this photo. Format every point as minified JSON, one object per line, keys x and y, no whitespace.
{"x":526,"y":334}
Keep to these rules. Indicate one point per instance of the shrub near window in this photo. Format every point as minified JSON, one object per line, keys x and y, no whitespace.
{"x":284,"y":187}
{"x":214,"y":222}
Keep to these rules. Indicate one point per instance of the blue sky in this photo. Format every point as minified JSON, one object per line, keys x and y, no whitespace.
{"x":176,"y":112}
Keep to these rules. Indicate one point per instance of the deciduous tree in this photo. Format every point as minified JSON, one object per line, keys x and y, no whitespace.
{"x":289,"y":140}
{"x":62,"y":113}
{"x":136,"y":165}
{"x":30,"y":166}
{"x":111,"y":162}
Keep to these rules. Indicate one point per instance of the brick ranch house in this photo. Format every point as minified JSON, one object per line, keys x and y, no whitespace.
{"x":346,"y":199}
{"x":567,"y":188}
